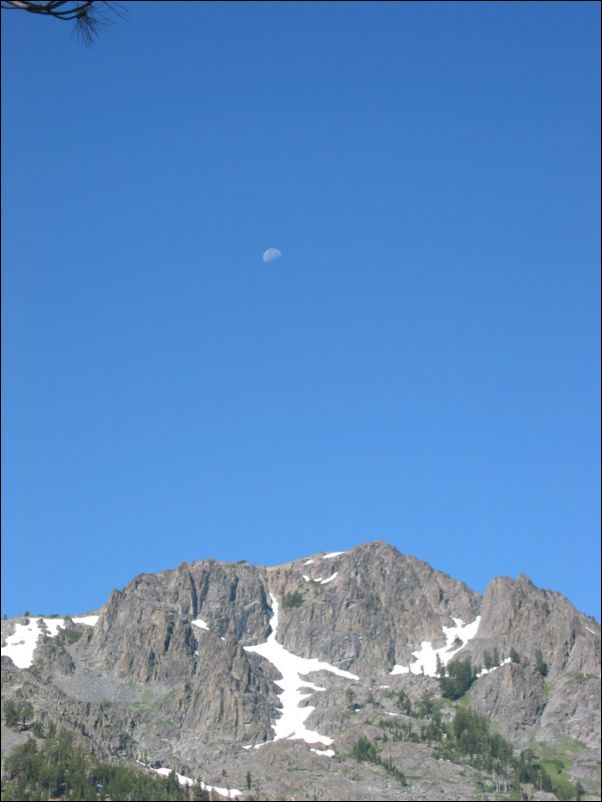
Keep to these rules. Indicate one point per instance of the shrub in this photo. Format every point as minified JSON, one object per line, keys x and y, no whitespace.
{"x":364,"y":750}
{"x":292,"y":600}
{"x":404,"y":703}
{"x":540,"y":664}
{"x":461,"y":676}
{"x":70,"y":635}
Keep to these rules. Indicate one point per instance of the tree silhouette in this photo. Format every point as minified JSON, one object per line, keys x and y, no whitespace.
{"x":88,"y":16}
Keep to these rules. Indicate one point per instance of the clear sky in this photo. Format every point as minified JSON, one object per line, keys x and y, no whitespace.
{"x":421,"y":365}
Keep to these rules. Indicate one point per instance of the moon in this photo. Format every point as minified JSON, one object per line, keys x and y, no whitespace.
{"x":271,"y":254}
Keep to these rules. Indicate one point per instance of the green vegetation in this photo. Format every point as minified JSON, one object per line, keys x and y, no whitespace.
{"x":540,"y":664}
{"x":461,"y":676}
{"x":514,"y":655}
{"x":584,"y":677}
{"x":404,"y":703}
{"x":18,"y":714}
{"x":58,"y":769}
{"x":557,"y":758}
{"x":492,"y":659}
{"x":365,"y":750}
{"x":69,"y":635}
{"x":468,"y":738}
{"x":292,"y":600}
{"x":425,"y":706}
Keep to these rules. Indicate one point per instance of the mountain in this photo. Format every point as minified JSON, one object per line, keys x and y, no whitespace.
{"x":356,"y":675}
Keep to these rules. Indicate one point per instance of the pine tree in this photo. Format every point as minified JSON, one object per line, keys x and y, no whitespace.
{"x":10,"y":713}
{"x":540,"y":664}
{"x":404,"y":703}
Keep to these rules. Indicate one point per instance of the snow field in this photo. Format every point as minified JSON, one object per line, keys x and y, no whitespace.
{"x":291,"y":723}
{"x":21,"y":645}
{"x":426,"y":656}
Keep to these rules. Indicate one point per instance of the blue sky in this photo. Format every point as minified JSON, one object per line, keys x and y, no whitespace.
{"x":421,"y":365}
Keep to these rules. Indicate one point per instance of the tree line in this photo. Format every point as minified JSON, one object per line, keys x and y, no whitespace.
{"x":59,"y":769}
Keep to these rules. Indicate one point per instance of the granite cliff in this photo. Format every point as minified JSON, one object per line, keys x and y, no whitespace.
{"x":262,"y":681}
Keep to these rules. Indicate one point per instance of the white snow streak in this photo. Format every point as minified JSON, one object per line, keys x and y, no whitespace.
{"x":21,"y":645}
{"x":426,"y":656}
{"x":484,"y":671}
{"x":88,"y":620}
{"x":319,"y":578}
{"x":325,"y":752}
{"x":229,"y":793}
{"x":308,"y":562}
{"x":332,"y":554}
{"x":198,"y":622}
{"x":591,"y":630}
{"x":291,"y":723}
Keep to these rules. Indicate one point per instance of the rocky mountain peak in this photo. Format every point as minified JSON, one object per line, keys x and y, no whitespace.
{"x":234,"y":665}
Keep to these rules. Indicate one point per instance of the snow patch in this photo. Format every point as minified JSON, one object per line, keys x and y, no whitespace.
{"x":229,"y":793}
{"x":291,"y":723}
{"x":198,"y":622}
{"x":308,"y":562}
{"x":484,"y":671}
{"x":591,"y":630}
{"x":456,"y":637}
{"x":325,"y":752}
{"x":320,"y":579}
{"x":332,"y":554}
{"x":21,"y":645}
{"x":88,"y":620}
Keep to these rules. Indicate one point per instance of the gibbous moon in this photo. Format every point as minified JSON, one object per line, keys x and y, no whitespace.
{"x":271,"y":254}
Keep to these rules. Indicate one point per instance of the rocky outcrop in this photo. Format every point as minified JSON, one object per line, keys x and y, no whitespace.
{"x":165,"y":673}
{"x":146,"y":632}
{"x":379,"y":608}
{"x":573,"y":709}
{"x":513,"y":697}
{"x":517,"y":615}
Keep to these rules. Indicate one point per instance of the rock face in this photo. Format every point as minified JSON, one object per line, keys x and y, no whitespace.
{"x":166,"y":672}
{"x":380,"y":607}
